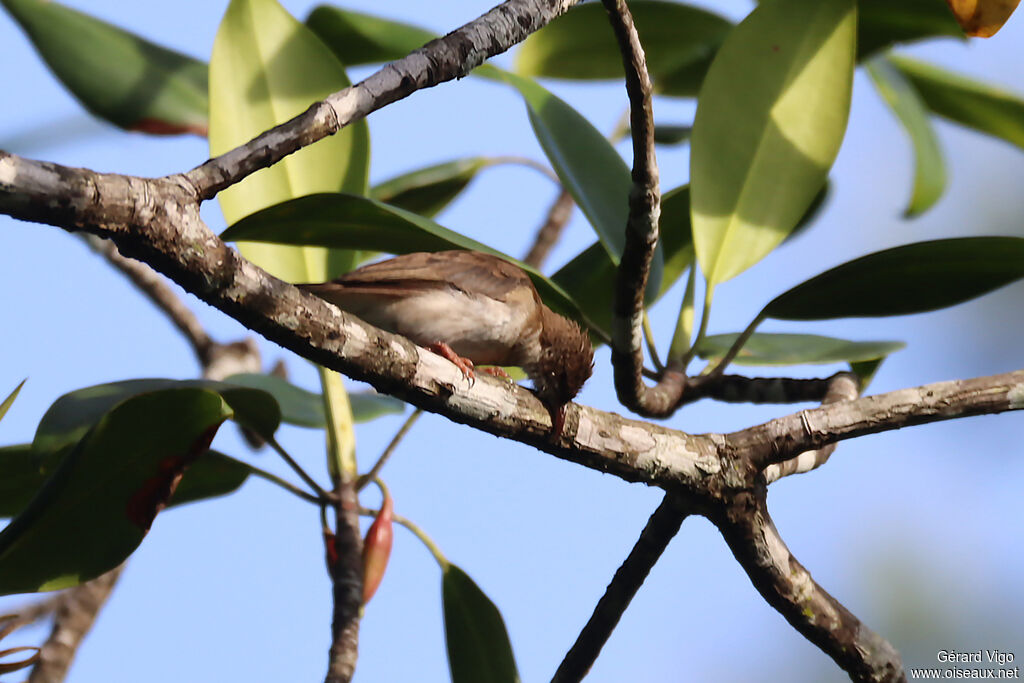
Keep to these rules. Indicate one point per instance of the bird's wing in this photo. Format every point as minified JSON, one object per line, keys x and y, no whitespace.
{"x":469,"y":271}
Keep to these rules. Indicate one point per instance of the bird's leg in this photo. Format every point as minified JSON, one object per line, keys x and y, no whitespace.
{"x":463,"y":364}
{"x":557,"y":414}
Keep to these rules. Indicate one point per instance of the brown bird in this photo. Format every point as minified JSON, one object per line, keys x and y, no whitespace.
{"x":471,"y":308}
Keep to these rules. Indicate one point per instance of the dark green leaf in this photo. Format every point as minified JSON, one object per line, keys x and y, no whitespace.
{"x":665,"y":134}
{"x":866,"y":371}
{"x":479,"y":650}
{"x":910,"y":279}
{"x":427,"y":191}
{"x":906,"y":103}
{"x":770,"y":120}
{"x":679,"y":42}
{"x":586,"y":163}
{"x":974,"y":104}
{"x":99,"y":503}
{"x":795,"y":349}
{"x":589,"y":278}
{"x":352,"y":222}
{"x":306,"y":408}
{"x":73,"y":414}
{"x":881,"y":23}
{"x":118,"y":76}
{"x":7,"y":402}
{"x":22,"y":474}
{"x":358,"y":38}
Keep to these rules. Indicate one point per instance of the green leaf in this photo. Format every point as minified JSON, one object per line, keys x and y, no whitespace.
{"x":974,"y":104}
{"x":770,"y":119}
{"x":23,"y":473}
{"x":100,"y":502}
{"x":306,"y":408}
{"x":589,"y":278}
{"x":7,"y":402}
{"x":116,"y":75}
{"x":795,"y":349}
{"x":666,"y":134}
{"x":586,"y":163}
{"x":427,"y":191}
{"x":479,"y":650}
{"x":679,"y":42}
{"x":866,"y":371}
{"x":906,"y":103}
{"x":883,"y":23}
{"x":72,"y":415}
{"x":357,"y":38}
{"x":266,"y":68}
{"x":345,"y":221}
{"x":914,"y":278}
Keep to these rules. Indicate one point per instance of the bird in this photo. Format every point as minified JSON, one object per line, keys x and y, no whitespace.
{"x":472,"y":308}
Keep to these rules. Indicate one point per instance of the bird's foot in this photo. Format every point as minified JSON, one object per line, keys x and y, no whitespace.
{"x":497,"y":371}
{"x":463,"y":364}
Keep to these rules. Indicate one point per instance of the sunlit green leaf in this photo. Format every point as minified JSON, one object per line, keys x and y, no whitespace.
{"x":358,"y":38}
{"x":427,"y":191}
{"x":99,"y":503}
{"x":5,"y":405}
{"x":971,"y":103}
{"x":679,"y":42}
{"x":266,"y":68}
{"x":906,"y":103}
{"x":479,"y":650}
{"x":910,"y":279}
{"x":116,"y":75}
{"x":306,"y":409}
{"x":795,"y":349}
{"x":771,"y":116}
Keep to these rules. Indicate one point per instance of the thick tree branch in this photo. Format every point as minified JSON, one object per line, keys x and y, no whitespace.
{"x":654,"y":539}
{"x":440,"y":60}
{"x":641,"y":236}
{"x":789,"y":588}
{"x":818,"y":427}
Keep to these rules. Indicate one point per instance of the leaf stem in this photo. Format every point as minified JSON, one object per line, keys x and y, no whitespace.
{"x":365,"y":479}
{"x":297,"y":468}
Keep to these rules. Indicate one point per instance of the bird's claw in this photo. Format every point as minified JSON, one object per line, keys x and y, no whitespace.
{"x":463,"y":364}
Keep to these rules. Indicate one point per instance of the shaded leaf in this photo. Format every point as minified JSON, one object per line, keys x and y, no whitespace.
{"x":357,"y":38}
{"x":116,"y":75}
{"x":910,"y":279}
{"x":589,"y":278}
{"x":666,"y":134}
{"x":68,"y":419}
{"x":212,"y":475}
{"x":101,"y":500}
{"x":771,"y":116}
{"x":974,"y":104}
{"x":306,"y":408}
{"x":882,"y":23}
{"x":795,"y":349}
{"x":347,"y":221}
{"x":479,"y":650}
{"x":586,"y":163}
{"x":679,"y":42}
{"x":427,"y":191}
{"x":982,"y":18}
{"x":906,"y":103}
{"x":266,"y":68}
{"x":7,"y":402}
{"x":866,"y":371}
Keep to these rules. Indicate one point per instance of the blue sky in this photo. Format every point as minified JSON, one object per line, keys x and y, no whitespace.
{"x":916,"y":531}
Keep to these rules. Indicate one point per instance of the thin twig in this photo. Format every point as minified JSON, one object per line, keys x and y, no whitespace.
{"x":288,"y":486}
{"x":551,"y":231}
{"x":661,"y":528}
{"x":528,"y":163}
{"x":365,"y":479}
{"x":416,"y":530}
{"x":297,"y":468}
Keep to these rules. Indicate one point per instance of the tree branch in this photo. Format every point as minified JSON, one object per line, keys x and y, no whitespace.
{"x":641,"y":236}
{"x":654,"y":539}
{"x":549,"y":233}
{"x":788,"y":587}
